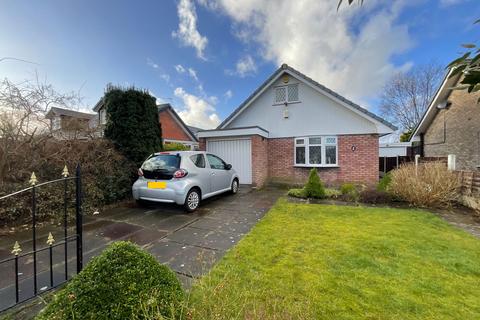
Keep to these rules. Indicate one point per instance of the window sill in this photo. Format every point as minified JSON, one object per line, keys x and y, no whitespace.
{"x":316,"y":165}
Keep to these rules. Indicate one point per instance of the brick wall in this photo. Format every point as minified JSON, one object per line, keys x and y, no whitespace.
{"x":170,"y":128}
{"x":202,"y":144}
{"x":360,"y":165}
{"x":259,"y":160}
{"x":456,"y":130}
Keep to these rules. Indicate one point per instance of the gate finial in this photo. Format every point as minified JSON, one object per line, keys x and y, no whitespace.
{"x":33,"y":179}
{"x":50,"y":239}
{"x":16,"y":248}
{"x":65,"y":172}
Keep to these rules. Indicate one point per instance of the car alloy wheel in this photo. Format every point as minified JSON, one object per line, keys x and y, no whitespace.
{"x":234,"y":186}
{"x":193,"y":200}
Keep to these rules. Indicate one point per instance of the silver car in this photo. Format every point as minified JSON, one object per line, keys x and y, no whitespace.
{"x":184,"y":178}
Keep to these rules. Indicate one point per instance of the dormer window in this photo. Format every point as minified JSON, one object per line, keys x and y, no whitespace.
{"x":286,"y":94}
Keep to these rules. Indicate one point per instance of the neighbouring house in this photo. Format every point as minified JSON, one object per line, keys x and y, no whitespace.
{"x":174,"y":130}
{"x":292,"y":123}
{"x":451,"y":125}
{"x":70,"y":124}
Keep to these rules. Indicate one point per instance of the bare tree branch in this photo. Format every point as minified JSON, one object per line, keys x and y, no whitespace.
{"x":407,"y":95}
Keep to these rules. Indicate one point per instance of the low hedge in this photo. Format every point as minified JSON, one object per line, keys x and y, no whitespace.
{"x":123,"y":282}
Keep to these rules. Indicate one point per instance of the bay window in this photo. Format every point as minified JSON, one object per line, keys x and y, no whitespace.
{"x":319,"y":151}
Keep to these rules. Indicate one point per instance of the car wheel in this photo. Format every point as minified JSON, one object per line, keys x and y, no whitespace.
{"x":235,"y":186}
{"x":192,"y":201}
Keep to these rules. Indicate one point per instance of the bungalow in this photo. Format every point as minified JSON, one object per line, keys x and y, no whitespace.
{"x":292,"y":123}
{"x":451,"y":126}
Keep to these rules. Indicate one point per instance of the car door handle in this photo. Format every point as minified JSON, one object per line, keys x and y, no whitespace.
{"x":213,"y":173}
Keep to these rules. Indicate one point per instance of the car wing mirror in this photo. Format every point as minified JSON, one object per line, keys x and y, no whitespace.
{"x":228,"y":166}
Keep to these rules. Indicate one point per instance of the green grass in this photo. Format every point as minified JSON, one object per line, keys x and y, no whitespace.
{"x":337,"y":262}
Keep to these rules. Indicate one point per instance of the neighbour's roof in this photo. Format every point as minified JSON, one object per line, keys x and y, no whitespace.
{"x":283,"y":68}
{"x":194,"y":129}
{"x":167,"y":106}
{"x":68,"y":112}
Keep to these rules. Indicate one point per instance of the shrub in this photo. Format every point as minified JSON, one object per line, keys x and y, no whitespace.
{"x":432,"y":184}
{"x":332,"y":193}
{"x":374,"y":196}
{"x":115,"y":285}
{"x":107,"y":177}
{"x":297,"y":193}
{"x":132,"y":122}
{"x":349,"y":192}
{"x":175,"y":147}
{"x":314,"y":187}
{"x":384,"y":182}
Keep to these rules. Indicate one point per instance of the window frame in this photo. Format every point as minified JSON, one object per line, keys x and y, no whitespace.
{"x":275,"y":103}
{"x":306,"y":144}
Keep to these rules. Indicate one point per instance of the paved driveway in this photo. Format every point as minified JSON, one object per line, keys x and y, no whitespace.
{"x":189,"y":243}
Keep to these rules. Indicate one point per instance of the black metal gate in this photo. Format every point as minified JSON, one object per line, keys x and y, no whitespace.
{"x":25,"y":285}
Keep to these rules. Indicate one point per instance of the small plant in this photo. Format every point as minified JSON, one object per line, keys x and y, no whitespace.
{"x":332,"y":193}
{"x":428,"y":185}
{"x":314,"y":187}
{"x":349,"y":192}
{"x":115,"y":285}
{"x":384,"y":182}
{"x":297,"y":193}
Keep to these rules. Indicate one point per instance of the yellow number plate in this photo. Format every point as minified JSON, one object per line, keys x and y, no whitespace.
{"x":156,"y":185}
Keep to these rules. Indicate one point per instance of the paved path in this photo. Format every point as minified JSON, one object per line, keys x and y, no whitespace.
{"x":189,"y":243}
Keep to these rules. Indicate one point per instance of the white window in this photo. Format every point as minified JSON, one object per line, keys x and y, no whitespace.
{"x":321,"y":151}
{"x":287,"y":93}
{"x":103,"y":116}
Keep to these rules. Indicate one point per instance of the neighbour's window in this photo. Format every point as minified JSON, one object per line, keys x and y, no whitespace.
{"x":198,"y":160}
{"x":215,"y":162}
{"x":288,"y":93}
{"x":316,"y":151}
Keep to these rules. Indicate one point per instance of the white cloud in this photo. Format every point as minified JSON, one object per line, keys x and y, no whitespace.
{"x":187,"y":31}
{"x":197,"y":111}
{"x":349,"y":50}
{"x":179,"y":68}
{"x":193,"y":74}
{"x":165,"y":77}
{"x":228,"y":94}
{"x":152,"y":64}
{"x":245,"y":66}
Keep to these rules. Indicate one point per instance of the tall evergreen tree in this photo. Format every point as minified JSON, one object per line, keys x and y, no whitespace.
{"x":132,"y":122}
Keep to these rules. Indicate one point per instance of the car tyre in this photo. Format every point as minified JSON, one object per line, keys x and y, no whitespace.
{"x":235,"y":186}
{"x":192,"y":200}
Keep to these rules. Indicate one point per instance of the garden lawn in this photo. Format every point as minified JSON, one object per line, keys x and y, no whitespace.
{"x":338,"y":262}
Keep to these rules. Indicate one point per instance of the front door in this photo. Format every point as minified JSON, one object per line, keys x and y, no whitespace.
{"x":220,"y":177}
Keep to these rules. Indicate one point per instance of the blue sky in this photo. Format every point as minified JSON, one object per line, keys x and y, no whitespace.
{"x":206,"y":56}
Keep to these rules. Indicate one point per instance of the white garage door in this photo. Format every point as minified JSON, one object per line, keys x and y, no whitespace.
{"x":237,"y":152}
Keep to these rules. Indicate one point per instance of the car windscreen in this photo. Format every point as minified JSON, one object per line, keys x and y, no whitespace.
{"x":161,"y":166}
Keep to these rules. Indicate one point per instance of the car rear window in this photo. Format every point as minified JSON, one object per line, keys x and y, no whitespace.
{"x":161,"y":166}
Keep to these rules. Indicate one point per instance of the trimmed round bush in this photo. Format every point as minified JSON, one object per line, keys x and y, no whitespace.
{"x":123,"y":282}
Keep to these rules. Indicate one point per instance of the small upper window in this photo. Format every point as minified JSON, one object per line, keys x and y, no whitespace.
{"x":288,"y":93}
{"x":198,"y":160}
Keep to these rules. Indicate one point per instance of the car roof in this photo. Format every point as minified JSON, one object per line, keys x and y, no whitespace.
{"x":186,"y":153}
